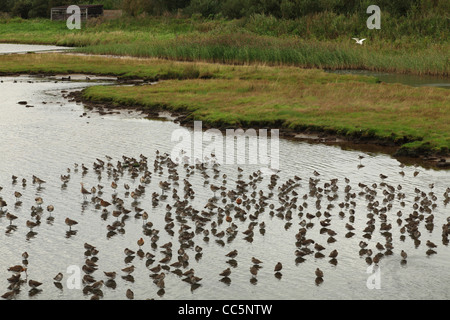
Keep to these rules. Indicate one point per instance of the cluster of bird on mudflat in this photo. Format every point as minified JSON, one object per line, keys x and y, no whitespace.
{"x":231,"y":211}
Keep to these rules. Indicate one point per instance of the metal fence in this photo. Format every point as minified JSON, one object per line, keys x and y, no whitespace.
{"x":60,"y":13}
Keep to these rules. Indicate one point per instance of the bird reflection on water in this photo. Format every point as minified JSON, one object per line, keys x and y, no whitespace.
{"x":231,"y":212}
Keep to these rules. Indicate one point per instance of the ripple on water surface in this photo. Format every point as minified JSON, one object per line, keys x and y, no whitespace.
{"x":53,"y":136}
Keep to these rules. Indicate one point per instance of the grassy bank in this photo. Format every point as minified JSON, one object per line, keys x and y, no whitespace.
{"x":400,"y":46}
{"x":415,"y":119}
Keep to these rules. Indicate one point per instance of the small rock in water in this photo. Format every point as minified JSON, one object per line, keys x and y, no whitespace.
{"x":22,"y":102}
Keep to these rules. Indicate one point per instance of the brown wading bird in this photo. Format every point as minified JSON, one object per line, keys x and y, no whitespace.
{"x":9,"y":295}
{"x":278,"y":267}
{"x":333,"y":254}
{"x":17,"y":268}
{"x":214,"y":189}
{"x":58,"y":277}
{"x":111,"y":275}
{"x":128,"y":270}
{"x":84,"y":191}
{"x":130,"y":294}
{"x":34,"y":283}
{"x":39,"y":201}
{"x":38,"y":181}
{"x":2,"y":204}
{"x":232,"y":254}
{"x":225,"y":273}
{"x":431,"y":244}
{"x":17,"y":194}
{"x":319,"y":273}
{"x":88,"y":246}
{"x":404,"y":255}
{"x":164,"y":185}
{"x":194,"y":279}
{"x":360,"y":158}
{"x":104,"y":203}
{"x":128,"y":252}
{"x":160,"y":283}
{"x":31,"y":224}
{"x":10,"y":217}
{"x":254,"y":270}
{"x":319,"y":247}
{"x":144,"y":216}
{"x":70,"y":223}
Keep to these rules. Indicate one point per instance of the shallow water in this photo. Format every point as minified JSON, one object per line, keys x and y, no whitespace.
{"x":49,"y":138}
{"x":6,"y":48}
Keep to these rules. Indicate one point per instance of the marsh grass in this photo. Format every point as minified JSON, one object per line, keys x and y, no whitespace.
{"x":256,"y":95}
{"x":321,"y":41}
{"x":259,"y":95}
{"x":123,"y":67}
{"x":414,"y":118}
{"x":239,"y":73}
{"x":250,"y":49}
{"x":354,"y":109}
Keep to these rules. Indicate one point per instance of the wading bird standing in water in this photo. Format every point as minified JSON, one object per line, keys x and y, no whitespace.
{"x":70,"y":223}
{"x":84,"y":190}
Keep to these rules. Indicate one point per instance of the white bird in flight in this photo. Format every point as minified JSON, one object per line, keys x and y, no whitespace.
{"x":359,"y":41}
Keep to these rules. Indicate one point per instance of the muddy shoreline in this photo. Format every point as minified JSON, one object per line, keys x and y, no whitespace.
{"x":307,"y":134}
{"x":364,"y":144}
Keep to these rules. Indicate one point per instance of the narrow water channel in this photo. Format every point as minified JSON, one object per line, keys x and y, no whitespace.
{"x":8,"y":48}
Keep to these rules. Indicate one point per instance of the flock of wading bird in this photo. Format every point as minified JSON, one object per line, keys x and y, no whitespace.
{"x":236,"y":208}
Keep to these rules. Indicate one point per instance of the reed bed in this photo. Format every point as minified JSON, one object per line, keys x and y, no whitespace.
{"x":250,"y":49}
{"x":321,"y":41}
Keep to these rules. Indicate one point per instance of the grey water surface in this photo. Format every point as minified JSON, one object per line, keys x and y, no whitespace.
{"x":8,"y":48}
{"x":54,"y":136}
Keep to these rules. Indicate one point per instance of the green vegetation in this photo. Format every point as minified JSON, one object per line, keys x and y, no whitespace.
{"x":236,"y":63}
{"x":286,"y":9}
{"x":258,"y":39}
{"x":416,"y":119}
{"x":154,"y":69}
{"x":41,"y":8}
